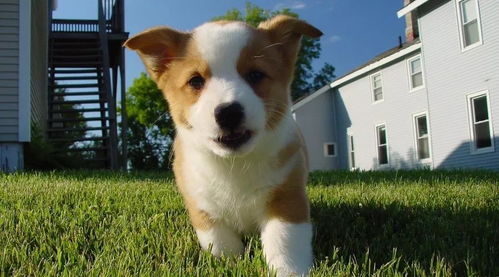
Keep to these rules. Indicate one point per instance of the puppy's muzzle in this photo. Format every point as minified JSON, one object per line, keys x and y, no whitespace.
{"x":230,"y":118}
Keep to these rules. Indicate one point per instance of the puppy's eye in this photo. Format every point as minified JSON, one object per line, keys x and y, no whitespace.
{"x":196,"y":82}
{"x":254,"y":77}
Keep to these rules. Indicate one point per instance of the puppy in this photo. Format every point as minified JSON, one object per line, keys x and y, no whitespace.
{"x":239,"y":163}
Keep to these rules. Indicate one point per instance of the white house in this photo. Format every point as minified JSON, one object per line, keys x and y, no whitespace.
{"x":23,"y":75}
{"x":431,"y":102}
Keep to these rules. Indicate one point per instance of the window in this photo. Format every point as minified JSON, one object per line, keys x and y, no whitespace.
{"x":481,"y":127}
{"x":415,"y":72}
{"x":382,"y":144}
{"x":351,"y":152}
{"x":329,"y":149}
{"x":377,"y":87}
{"x":469,"y":23}
{"x":422,"y":137}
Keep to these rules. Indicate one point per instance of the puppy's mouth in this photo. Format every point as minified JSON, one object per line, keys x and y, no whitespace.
{"x":234,"y":140}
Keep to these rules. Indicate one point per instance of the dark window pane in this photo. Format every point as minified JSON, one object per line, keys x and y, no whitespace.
{"x":482,"y":135}
{"x":382,"y":155}
{"x":382,"y":135}
{"x":471,"y":33}
{"x":378,"y":94}
{"x":480,"y":108}
{"x":422,"y":126}
{"x":351,"y":144}
{"x":330,"y":149}
{"x":417,"y":80}
{"x":423,"y":148}
{"x":352,"y":159}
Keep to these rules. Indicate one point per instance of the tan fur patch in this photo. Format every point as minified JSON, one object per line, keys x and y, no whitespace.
{"x":288,"y":201}
{"x":262,"y":55}
{"x":174,"y":82}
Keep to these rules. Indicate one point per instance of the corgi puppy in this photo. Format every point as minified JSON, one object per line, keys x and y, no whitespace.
{"x":239,"y":160}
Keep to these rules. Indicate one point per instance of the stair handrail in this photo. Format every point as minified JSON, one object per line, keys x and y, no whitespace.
{"x":113,"y":132}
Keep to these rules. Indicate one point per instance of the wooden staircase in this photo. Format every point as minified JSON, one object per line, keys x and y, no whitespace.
{"x":82,"y":117}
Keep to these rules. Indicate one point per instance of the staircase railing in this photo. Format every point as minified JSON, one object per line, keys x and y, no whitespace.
{"x":113,"y":133}
{"x":113,"y":14}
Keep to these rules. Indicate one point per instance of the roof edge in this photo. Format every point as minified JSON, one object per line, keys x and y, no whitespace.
{"x":409,"y":8}
{"x":357,"y":73}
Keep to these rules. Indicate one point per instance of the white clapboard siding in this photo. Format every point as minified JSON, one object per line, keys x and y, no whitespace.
{"x":9,"y":65}
{"x":452,"y":74}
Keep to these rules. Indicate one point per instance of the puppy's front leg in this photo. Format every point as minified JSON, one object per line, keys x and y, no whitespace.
{"x":287,"y":232}
{"x":221,"y":238}
{"x":287,"y":247}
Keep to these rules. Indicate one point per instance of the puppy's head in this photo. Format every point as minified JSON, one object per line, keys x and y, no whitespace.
{"x":226,"y":83}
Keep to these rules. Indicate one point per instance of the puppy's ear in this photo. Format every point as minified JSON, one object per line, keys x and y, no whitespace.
{"x":157,"y":47}
{"x":287,"y":31}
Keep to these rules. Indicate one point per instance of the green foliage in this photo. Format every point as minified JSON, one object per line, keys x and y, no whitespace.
{"x":41,"y":154}
{"x":305,"y":80}
{"x":150,"y":127}
{"x":405,"y":223}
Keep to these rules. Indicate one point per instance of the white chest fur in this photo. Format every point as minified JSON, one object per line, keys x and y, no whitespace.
{"x":237,"y":189}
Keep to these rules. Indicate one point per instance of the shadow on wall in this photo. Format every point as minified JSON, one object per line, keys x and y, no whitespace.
{"x":343,"y":123}
{"x":462,"y":157}
{"x":398,"y":161}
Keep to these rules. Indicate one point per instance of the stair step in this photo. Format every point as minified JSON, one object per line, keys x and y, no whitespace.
{"x":78,"y":119}
{"x":87,"y":149}
{"x":79,"y":139}
{"x":89,"y":93}
{"x":55,"y":130}
{"x":78,"y":110}
{"x":62,"y":102}
{"x":75,"y":78}
{"x":87,"y":56}
{"x":93,"y":85}
{"x":71,"y":49}
{"x":75,"y":71}
{"x":77,"y":64}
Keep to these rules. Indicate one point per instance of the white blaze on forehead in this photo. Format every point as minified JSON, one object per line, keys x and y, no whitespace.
{"x":221,"y":44}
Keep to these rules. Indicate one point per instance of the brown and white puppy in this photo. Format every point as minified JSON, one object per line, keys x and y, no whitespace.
{"x":239,"y":160}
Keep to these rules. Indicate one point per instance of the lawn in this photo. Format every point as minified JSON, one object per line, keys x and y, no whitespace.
{"x":413,"y":223}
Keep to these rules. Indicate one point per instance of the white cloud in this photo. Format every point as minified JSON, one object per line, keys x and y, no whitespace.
{"x":333,"y":38}
{"x":292,"y":5}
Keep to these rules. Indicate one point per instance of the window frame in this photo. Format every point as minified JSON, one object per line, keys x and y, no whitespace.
{"x":325,"y":149}
{"x":377,"y":126}
{"x":351,"y":150}
{"x":416,"y":137}
{"x":411,"y":88}
{"x":471,"y":123}
{"x":371,"y":80}
{"x":460,"y":24}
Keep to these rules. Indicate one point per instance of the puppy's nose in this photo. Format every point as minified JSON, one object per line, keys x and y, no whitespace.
{"x":229,"y":115}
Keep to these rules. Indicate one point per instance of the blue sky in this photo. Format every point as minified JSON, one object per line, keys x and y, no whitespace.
{"x":354,"y":30}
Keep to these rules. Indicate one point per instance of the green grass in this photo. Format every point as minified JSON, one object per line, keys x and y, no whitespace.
{"x":418,"y":223}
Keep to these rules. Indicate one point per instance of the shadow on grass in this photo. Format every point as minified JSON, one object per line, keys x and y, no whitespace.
{"x":418,"y":234}
{"x":426,"y":176}
{"x":151,"y":175}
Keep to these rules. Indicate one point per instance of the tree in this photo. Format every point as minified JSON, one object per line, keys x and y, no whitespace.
{"x":305,"y":80}
{"x":150,"y":127}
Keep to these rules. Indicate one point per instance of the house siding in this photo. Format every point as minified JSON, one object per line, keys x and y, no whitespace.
{"x":9,"y":65}
{"x":317,"y":124}
{"x":357,"y":114}
{"x":453,"y":74}
{"x":39,"y":56}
